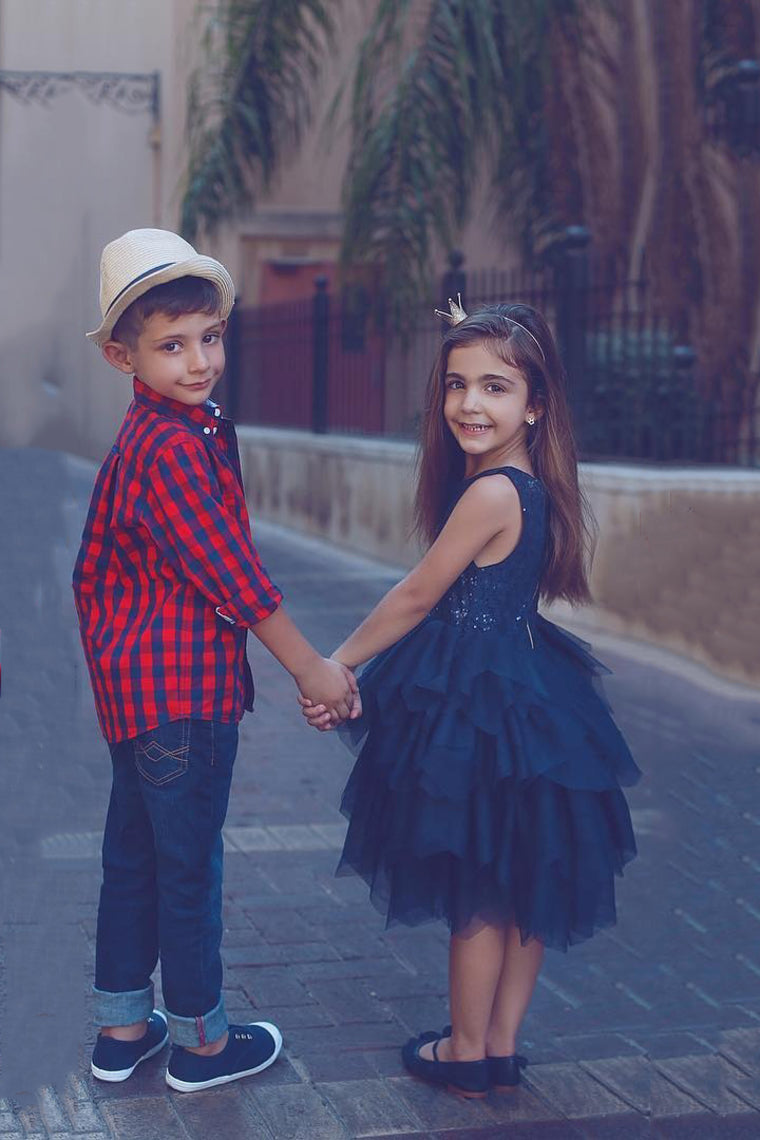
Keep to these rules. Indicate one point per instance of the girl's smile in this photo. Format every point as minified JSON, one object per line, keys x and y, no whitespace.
{"x":485,"y":406}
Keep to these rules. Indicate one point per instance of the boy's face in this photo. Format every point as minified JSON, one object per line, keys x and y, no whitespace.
{"x":179,"y":357}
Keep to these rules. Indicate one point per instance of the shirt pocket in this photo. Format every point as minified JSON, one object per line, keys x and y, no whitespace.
{"x":162,"y":754}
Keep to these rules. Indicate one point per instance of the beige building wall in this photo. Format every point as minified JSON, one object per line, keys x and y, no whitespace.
{"x":73,"y":175}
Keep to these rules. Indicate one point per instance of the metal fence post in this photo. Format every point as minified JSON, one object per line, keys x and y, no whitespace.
{"x":572,"y":280}
{"x":689,"y":414}
{"x":321,"y":340}
{"x":454,"y":280}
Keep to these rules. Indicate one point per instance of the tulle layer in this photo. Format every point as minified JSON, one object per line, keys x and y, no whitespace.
{"x":488,"y":784}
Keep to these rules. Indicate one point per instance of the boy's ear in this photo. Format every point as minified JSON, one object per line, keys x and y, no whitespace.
{"x":118,"y":355}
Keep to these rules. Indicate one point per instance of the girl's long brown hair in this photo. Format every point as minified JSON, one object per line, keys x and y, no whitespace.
{"x":551,"y":445}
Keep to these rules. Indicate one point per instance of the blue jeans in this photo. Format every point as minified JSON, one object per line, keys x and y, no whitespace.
{"x":162,"y":879}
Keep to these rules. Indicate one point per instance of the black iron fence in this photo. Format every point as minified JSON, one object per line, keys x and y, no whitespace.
{"x":317,"y":364}
{"x":636,"y":388}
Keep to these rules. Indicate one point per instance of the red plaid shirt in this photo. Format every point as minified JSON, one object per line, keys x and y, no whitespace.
{"x":167,"y":577}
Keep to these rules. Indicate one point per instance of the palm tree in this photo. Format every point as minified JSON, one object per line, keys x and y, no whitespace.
{"x":247,"y":111}
{"x":591,"y":111}
{"x":467,"y":101}
{"x":443,"y":92}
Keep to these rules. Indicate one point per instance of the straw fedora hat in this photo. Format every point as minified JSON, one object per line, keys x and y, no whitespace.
{"x":140,"y":259}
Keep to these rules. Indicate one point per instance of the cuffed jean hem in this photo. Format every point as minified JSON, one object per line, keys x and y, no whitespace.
{"x":122,"y":1008}
{"x":195,"y":1031}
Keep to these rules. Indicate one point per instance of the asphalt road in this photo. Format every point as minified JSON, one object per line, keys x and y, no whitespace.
{"x":649,"y":1030}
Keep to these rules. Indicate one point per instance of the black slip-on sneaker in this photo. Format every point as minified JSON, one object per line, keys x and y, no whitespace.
{"x":114,"y":1060}
{"x":249,"y":1049}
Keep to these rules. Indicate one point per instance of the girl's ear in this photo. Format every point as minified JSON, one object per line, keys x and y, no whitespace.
{"x":536,"y":408}
{"x":118,"y":355}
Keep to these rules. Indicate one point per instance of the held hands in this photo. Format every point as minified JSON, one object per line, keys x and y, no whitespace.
{"x":318,"y":713}
{"x":328,"y":694}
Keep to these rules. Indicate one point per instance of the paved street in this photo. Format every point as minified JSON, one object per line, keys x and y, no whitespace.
{"x":651,"y":1030}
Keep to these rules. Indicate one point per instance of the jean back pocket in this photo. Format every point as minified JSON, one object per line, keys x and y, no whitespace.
{"x":162,"y":754}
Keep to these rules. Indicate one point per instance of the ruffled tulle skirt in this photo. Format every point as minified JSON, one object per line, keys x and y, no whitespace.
{"x":488,"y":785}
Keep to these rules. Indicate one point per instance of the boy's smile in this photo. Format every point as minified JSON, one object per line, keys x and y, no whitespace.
{"x":179,"y":357}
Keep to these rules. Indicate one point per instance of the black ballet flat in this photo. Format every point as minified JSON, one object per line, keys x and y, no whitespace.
{"x":504,"y":1072}
{"x":463,"y":1078}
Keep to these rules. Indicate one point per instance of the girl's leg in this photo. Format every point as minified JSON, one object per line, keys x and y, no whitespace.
{"x":519,"y":973}
{"x":476,"y":960}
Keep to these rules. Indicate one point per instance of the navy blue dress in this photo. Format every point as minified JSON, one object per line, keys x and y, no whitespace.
{"x":488,"y":781}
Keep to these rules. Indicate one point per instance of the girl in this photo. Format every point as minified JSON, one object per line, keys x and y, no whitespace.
{"x":487,"y":791}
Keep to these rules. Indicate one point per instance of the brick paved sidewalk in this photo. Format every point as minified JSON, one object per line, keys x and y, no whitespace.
{"x":649,"y":1030}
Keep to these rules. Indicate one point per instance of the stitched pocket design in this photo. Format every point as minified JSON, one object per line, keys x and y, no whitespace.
{"x":162,"y":754}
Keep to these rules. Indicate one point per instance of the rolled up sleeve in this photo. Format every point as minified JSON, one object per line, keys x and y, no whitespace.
{"x":204,"y":539}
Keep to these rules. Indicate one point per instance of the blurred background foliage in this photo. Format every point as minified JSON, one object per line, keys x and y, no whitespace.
{"x":637,"y":120}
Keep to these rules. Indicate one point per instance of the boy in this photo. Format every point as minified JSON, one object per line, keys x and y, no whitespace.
{"x":167,"y":583}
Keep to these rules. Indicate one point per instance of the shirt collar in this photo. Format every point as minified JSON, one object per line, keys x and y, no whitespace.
{"x":206,"y":414}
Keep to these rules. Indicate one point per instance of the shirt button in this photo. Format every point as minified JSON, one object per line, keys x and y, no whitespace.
{"x":207,"y":431}
{"x":213,"y":431}
{"x":217,"y":411}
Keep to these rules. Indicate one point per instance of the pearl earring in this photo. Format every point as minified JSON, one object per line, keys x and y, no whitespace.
{"x":530,"y":419}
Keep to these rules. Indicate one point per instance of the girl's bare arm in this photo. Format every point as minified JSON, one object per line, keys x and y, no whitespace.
{"x":488,"y":507}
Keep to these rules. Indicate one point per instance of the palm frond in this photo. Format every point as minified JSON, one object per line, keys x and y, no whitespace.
{"x":412,"y":162}
{"x":244,"y":115}
{"x":438,"y":102}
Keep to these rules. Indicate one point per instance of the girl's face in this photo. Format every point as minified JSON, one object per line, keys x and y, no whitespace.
{"x":485,"y":405}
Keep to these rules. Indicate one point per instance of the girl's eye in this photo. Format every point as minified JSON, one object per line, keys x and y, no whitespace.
{"x":494,"y":387}
{"x":451,"y":385}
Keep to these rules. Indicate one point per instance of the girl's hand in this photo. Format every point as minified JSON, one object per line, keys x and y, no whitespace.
{"x":327,"y":682}
{"x":318,"y":716}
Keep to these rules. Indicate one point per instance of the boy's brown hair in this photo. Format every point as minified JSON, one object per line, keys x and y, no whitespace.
{"x":172,"y":299}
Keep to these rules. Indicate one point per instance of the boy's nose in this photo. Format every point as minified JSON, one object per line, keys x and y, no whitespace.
{"x":199,"y":361}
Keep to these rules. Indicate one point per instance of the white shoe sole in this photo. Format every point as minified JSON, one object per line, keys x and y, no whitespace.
{"x":115,"y":1075}
{"x":198,"y":1086}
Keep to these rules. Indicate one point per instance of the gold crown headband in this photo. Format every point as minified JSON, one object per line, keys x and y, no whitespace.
{"x":457,"y":315}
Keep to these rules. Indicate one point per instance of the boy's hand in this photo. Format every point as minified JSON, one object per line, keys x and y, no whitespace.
{"x":318,"y":717}
{"x":330,"y":686}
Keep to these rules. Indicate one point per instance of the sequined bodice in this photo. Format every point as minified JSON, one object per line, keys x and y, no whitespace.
{"x":503,"y":595}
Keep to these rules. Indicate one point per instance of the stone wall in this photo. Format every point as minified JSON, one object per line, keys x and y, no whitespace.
{"x":677,"y":560}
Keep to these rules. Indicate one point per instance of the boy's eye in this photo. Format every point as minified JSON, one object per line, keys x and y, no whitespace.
{"x":171,"y":346}
{"x":211,"y":338}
